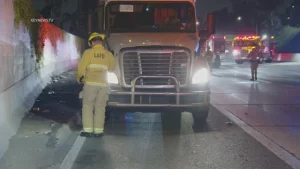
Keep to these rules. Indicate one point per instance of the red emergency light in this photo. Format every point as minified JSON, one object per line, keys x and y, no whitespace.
{"x":247,"y":37}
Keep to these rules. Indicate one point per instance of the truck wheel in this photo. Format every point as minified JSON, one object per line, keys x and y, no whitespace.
{"x":239,"y":62}
{"x":200,"y":117}
{"x":269,"y":60}
{"x":107,"y":115}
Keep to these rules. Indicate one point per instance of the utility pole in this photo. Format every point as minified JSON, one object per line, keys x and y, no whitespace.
{"x":256,"y":28}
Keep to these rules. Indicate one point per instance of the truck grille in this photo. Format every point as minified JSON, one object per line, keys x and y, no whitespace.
{"x":155,"y":64}
{"x":244,"y":52}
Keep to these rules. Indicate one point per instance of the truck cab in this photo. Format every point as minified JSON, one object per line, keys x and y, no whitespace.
{"x":155,"y":44}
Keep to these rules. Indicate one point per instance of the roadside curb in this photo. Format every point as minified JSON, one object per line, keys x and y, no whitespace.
{"x":269,"y":144}
{"x":72,"y":154}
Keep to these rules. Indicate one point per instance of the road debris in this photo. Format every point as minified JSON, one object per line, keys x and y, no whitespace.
{"x":36,"y":109}
{"x":229,"y":123}
{"x":51,"y":92}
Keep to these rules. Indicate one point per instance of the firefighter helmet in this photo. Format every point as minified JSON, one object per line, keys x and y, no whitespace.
{"x":95,"y":36}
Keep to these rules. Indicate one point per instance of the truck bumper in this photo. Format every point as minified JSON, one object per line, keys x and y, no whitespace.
{"x":158,"y":100}
{"x":240,"y":58}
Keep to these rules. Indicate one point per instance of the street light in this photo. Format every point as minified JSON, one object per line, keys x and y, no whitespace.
{"x":264,"y":36}
{"x":239,"y":18}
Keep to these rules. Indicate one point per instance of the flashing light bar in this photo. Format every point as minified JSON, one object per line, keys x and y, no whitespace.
{"x":246,"y":37}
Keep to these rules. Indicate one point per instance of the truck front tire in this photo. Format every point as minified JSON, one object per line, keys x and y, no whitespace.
{"x":269,"y":60}
{"x":239,"y":62}
{"x":200,"y":116}
{"x":107,"y":115}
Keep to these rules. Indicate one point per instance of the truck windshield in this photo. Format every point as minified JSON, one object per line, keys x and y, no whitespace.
{"x":245,"y":43}
{"x":150,"y":17}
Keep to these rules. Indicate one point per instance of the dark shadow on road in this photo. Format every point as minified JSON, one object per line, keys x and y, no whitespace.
{"x":203,"y":127}
{"x":171,"y":122}
{"x":131,"y":123}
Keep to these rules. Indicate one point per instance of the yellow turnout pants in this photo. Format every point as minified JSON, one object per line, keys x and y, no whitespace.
{"x":93,"y":110}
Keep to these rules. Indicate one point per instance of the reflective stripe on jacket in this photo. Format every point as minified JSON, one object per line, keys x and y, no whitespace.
{"x":94,"y":65}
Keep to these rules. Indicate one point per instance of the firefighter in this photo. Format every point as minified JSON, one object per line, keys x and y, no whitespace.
{"x":254,"y":57}
{"x":209,"y":57}
{"x":93,"y":66}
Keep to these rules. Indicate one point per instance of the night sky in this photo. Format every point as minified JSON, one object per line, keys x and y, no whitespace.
{"x":207,"y":6}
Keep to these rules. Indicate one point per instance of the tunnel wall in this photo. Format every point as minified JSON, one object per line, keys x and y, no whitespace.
{"x":20,"y":83}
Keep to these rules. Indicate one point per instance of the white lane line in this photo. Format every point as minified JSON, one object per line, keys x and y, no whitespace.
{"x":269,"y":144}
{"x":72,"y":154}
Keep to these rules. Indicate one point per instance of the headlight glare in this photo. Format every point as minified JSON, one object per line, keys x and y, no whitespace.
{"x":201,"y":76}
{"x":235,"y":52}
{"x":112,"y":78}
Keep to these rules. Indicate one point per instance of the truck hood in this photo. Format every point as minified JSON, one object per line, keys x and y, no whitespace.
{"x":118,"y":41}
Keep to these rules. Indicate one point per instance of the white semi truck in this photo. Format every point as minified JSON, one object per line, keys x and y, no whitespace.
{"x":155,"y":45}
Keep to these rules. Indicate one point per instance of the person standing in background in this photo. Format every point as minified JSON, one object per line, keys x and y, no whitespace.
{"x":254,"y":57}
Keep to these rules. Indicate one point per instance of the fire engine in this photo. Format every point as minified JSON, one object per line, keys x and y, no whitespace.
{"x":216,"y":43}
{"x":158,"y":70}
{"x":243,"y":45}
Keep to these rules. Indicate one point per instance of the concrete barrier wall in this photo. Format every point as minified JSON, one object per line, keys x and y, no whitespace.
{"x":287,"y":57}
{"x":20,"y":84}
{"x":287,"y":46}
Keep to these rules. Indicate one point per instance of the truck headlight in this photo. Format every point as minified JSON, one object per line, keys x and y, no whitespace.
{"x":201,"y":76}
{"x":112,"y":78}
{"x":236,"y":52}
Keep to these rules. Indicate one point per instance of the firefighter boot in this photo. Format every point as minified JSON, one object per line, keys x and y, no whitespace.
{"x":86,"y":134}
{"x":98,"y":135}
{"x":252,"y":75}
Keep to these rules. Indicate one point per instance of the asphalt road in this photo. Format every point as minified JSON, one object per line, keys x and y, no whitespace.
{"x":153,"y":141}
{"x":142,"y":141}
{"x":276,"y":73}
{"x":147,"y":141}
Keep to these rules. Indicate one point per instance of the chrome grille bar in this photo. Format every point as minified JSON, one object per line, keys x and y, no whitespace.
{"x":155,"y":63}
